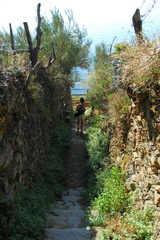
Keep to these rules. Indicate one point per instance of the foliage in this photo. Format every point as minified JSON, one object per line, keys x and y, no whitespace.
{"x":27,"y":213}
{"x":100,"y":80}
{"x":132,"y":225}
{"x":113,"y":198}
{"x":36,"y":90}
{"x":111,"y":207}
{"x":120,"y":47}
{"x":97,"y":143}
{"x":70,"y":42}
{"x":141,"y":66}
{"x":118,"y":106}
{"x":96,"y":146}
{"x":18,"y":60}
{"x":71,"y":45}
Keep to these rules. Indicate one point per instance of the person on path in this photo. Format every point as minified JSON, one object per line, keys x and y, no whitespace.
{"x":81,"y":117}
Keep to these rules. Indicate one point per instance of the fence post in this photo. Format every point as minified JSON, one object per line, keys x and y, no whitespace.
{"x":137,"y":24}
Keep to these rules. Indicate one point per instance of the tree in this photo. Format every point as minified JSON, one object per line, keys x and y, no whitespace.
{"x":70,"y":42}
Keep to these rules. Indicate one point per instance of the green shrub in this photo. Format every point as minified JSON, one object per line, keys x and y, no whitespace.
{"x":133,"y":224}
{"x":113,"y":198}
{"x":97,"y":144}
{"x":141,"y":222}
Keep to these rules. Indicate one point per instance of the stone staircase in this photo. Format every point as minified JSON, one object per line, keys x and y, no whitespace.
{"x":66,"y":220}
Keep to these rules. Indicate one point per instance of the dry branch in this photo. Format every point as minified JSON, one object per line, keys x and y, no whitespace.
{"x":34,"y":51}
{"x":30,"y":75}
{"x":12,"y":37}
{"x":52,"y":58}
{"x":39,"y":33}
{"x":29,"y":39}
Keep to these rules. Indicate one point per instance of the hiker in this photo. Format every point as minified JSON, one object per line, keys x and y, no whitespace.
{"x":81,"y":108}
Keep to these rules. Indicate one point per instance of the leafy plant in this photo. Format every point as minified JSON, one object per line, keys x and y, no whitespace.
{"x":133,"y":224}
{"x":71,"y":43}
{"x":113,"y":198}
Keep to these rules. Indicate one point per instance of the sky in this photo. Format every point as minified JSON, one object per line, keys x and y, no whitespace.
{"x":85,"y":12}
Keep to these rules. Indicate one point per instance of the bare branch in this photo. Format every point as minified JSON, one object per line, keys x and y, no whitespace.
{"x":29,"y":39}
{"x":34,"y":51}
{"x":39,"y":32}
{"x":52,"y":58}
{"x":12,"y":37}
{"x":30,"y":75}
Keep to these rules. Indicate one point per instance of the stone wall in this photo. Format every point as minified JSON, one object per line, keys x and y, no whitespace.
{"x":135,"y":144}
{"x":24,"y":132}
{"x":143,"y":143}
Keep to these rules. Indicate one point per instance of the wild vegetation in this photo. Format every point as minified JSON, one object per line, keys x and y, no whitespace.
{"x":71,"y":47}
{"x":25,"y":218}
{"x":112,"y":207}
{"x":140,"y":64}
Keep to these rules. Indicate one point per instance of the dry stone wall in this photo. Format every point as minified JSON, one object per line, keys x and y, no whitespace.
{"x":24,"y":134}
{"x":138,"y":141}
{"x":144,"y":143}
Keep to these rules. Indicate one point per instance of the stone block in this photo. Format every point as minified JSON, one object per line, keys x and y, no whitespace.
{"x":157,"y":196}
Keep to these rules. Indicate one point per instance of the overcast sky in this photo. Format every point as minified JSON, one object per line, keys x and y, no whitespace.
{"x":85,"y":11}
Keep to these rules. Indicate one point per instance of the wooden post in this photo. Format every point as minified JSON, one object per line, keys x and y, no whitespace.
{"x":137,"y":24}
{"x":12,"y":37}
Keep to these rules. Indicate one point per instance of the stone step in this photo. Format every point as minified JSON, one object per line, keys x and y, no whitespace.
{"x":71,"y":199}
{"x":75,"y":208}
{"x":68,"y":213}
{"x":69,"y":234}
{"x":61,"y":222}
{"x":73,"y":192}
{"x":66,"y":205}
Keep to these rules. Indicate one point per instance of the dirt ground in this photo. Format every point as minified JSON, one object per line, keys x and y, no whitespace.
{"x":75,"y":160}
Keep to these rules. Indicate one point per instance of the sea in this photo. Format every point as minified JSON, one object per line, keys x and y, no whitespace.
{"x":110,"y":34}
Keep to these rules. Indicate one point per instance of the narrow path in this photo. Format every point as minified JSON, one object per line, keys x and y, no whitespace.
{"x":66,"y":220}
{"x":76,"y":159}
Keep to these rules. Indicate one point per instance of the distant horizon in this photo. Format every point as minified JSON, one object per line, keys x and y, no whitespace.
{"x":103,"y":22}
{"x":85,"y":13}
